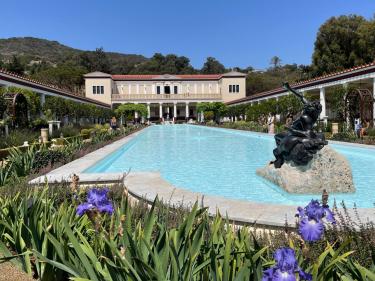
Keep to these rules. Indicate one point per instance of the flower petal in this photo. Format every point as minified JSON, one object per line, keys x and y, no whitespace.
{"x":83,"y":208}
{"x":329,"y":215}
{"x":284,"y":275}
{"x":97,"y":196}
{"x":268,"y":274}
{"x":106,"y":208}
{"x":304,"y":275}
{"x":310,"y":229}
{"x":285,"y":259}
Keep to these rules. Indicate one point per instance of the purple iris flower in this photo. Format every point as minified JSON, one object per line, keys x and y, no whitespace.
{"x":96,"y":201}
{"x":286,"y":267}
{"x":311,"y":226}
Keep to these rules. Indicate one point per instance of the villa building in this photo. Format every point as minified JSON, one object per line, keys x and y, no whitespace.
{"x":166,"y":96}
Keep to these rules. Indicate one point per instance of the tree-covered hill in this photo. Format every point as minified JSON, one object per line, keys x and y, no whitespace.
{"x":31,"y":51}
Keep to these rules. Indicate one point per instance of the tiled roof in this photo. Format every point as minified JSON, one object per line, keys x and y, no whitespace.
{"x":369,"y":67}
{"x":32,"y":83}
{"x":155,"y":76}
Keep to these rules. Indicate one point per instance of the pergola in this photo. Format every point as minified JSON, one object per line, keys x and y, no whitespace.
{"x":359,"y":103}
{"x":17,"y":109}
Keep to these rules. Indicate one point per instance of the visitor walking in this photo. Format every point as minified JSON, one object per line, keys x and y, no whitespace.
{"x":357,"y":127}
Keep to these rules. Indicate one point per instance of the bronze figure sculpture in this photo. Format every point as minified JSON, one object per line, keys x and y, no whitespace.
{"x":300,"y":142}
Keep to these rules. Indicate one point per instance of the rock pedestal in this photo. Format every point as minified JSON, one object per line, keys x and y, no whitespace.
{"x":327,"y":170}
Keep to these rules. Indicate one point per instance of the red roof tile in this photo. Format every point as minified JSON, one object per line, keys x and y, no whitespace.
{"x":311,"y":82}
{"x":153,"y":76}
{"x":47,"y":87}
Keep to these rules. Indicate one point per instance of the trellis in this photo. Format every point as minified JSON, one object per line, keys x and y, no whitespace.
{"x":17,"y":109}
{"x":360,"y":101}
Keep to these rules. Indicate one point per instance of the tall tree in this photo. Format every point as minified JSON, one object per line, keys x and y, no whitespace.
{"x":15,"y":66}
{"x":275,"y":62}
{"x":212,"y":66}
{"x":338,"y":44}
{"x":100,"y":61}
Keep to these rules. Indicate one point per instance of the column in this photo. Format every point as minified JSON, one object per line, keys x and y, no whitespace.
{"x":373,"y":94}
{"x":347,"y":119}
{"x":174,"y":111}
{"x":42,"y":102}
{"x":187,"y":111}
{"x":136,"y":114}
{"x":42,"y":99}
{"x":148,"y":111}
{"x":323,"y":115}
{"x":161,"y":110}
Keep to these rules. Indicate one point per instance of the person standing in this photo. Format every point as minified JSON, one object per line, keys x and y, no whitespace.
{"x":271,"y":123}
{"x":113,"y":123}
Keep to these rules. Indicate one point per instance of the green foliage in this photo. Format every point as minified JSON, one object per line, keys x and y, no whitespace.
{"x":33,"y":100}
{"x":336,"y":101}
{"x":219,"y":109}
{"x":160,"y":64}
{"x":343,"y":42}
{"x":43,"y":236}
{"x":128,"y":109}
{"x":15,"y":65}
{"x":21,"y":162}
{"x":66,"y":131}
{"x":209,"y":115}
{"x":272,"y":78}
{"x":18,"y":137}
{"x":213,"y":66}
{"x":60,"y":108}
{"x":65,"y":76}
{"x":237,"y":110}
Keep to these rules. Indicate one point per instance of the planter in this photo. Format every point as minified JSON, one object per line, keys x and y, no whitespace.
{"x":44,"y":135}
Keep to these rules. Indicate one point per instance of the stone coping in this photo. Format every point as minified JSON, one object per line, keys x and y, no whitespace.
{"x":148,"y":185}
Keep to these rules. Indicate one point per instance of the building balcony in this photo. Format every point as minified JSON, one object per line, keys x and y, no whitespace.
{"x":164,"y":97}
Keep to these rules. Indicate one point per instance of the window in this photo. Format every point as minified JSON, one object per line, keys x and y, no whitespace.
{"x":98,"y":90}
{"x":175,"y":89}
{"x":234,"y":88}
{"x":158,"y":90}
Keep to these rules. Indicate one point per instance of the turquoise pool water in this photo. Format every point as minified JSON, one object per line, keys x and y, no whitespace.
{"x":223,"y":162}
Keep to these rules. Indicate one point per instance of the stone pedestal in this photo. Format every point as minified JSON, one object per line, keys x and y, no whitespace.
{"x":327,"y":170}
{"x":44,"y":135}
{"x":335,"y":128}
{"x":51,"y":124}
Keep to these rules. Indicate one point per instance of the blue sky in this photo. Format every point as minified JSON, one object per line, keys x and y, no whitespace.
{"x":237,"y":33}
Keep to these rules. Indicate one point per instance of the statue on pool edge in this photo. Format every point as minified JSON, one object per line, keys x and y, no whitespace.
{"x":299,"y":143}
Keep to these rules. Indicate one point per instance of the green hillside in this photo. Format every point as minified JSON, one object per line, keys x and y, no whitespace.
{"x":34,"y":50}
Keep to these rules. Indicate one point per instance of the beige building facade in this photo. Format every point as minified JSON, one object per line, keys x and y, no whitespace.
{"x":172,"y":97}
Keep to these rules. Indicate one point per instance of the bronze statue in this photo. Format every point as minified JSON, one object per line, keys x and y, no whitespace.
{"x":299,"y":143}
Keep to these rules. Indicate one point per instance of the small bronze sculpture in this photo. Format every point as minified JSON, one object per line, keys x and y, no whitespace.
{"x":299,"y":143}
